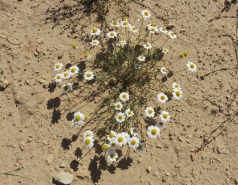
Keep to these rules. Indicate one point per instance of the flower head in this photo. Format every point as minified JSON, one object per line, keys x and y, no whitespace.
{"x":164,"y":116}
{"x":134,"y":131}
{"x":162,"y":98}
{"x":152,"y":29}
{"x":78,"y":119}
{"x":94,"y":42}
{"x":177,"y":94}
{"x":120,"y":117}
{"x":74,"y":46}
{"x":141,"y":58}
{"x":191,"y":66}
{"x":66,"y":88}
{"x":133,"y":29}
{"x":176,"y":86}
{"x":105,"y":147}
{"x":115,"y":24}
{"x":163,"y":70}
{"x":133,"y":142}
{"x":149,"y":111}
{"x":163,"y":30}
{"x":120,"y":139}
{"x":123,"y":43}
{"x":112,"y":34}
{"x":87,"y":57}
{"x":89,"y":142}
{"x":59,"y":77}
{"x":58,"y":66}
{"x":145,"y":14}
{"x":66,"y":75}
{"x":73,"y":70}
{"x":165,"y":51}
{"x":129,"y":113}
{"x":88,"y":133}
{"x":124,"y":96}
{"x":112,"y":156}
{"x":88,"y":75}
{"x":111,"y":136}
{"x":95,"y":31}
{"x":147,"y":45}
{"x":172,"y":35}
{"x":125,"y":24}
{"x":140,"y":148}
{"x":118,"y":106}
{"x":160,"y":124}
{"x":153,"y":132}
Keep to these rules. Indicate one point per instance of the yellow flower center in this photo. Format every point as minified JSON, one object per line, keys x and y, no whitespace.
{"x":133,"y":45}
{"x":112,"y":156}
{"x":104,"y":147}
{"x":164,"y":70}
{"x":181,"y":55}
{"x":153,"y":131}
{"x":87,"y":141}
{"x":178,"y":93}
{"x":192,"y":66}
{"x":59,"y":77}
{"x":74,"y":46}
{"x":94,"y":42}
{"x":66,"y":87}
{"x":112,"y":34}
{"x":85,"y":116}
{"x":73,"y":70}
{"x":146,"y":13}
{"x":176,"y":86}
{"x":77,"y":118}
{"x":113,"y":144}
{"x":120,"y":117}
{"x":134,"y":131}
{"x":120,"y":139}
{"x":125,"y":23}
{"x":133,"y":142}
{"x":150,"y":111}
{"x":115,"y":23}
{"x":86,"y":55}
{"x":88,"y":75}
{"x":152,"y":29}
{"x":124,"y":96}
{"x":118,"y":105}
{"x":172,"y":33}
{"x":153,"y":24}
{"x":124,"y":18}
{"x":186,"y":53}
{"x":95,"y":30}
{"x":141,"y":19}
{"x":111,"y":135}
{"x":162,"y":97}
{"x":57,"y":66}
{"x":88,"y":135}
{"x":147,"y":45}
{"x":65,"y":74}
{"x":163,"y":29}
{"x":129,"y":112}
{"x":134,"y":28}
{"x":170,"y":91}
{"x":165,"y":116}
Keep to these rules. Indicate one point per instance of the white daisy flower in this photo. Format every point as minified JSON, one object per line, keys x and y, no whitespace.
{"x":133,"y":29}
{"x":134,"y":131}
{"x":140,"y":148}
{"x":111,"y":136}
{"x":160,"y":124}
{"x":163,"y":70}
{"x":89,"y":142}
{"x":141,"y":58}
{"x":172,"y":35}
{"x":58,"y":66}
{"x":112,"y":156}
{"x":66,"y":88}
{"x":59,"y":77}
{"x":129,"y":113}
{"x":88,"y":133}
{"x":177,"y":94}
{"x":163,"y":30}
{"x":140,"y":19}
{"x":88,"y":75}
{"x":87,"y":57}
{"x":176,"y":86}
{"x":165,"y":51}
{"x":95,"y":31}
{"x":120,"y":117}
{"x":145,"y":14}
{"x":123,"y":43}
{"x":112,"y":34}
{"x":94,"y":42}
{"x":126,"y":135}
{"x":164,"y":116}
{"x":133,"y":142}
{"x":113,"y":144}
{"x":78,"y":119}
{"x":149,"y":111}
{"x":153,"y":132}
{"x":125,"y":24}
{"x":152,"y":25}
{"x":73,"y":70}
{"x":124,"y":96}
{"x":152,"y":29}
{"x":162,"y":98}
{"x":118,"y":106}
{"x":120,"y":139}
{"x":115,"y":24}
{"x":66,"y":75}
{"x":106,"y":147}
{"x":147,"y":45}
{"x":191,"y":66}
{"x":137,"y":66}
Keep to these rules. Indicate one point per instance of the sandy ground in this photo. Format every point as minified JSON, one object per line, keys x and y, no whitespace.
{"x":198,"y":146}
